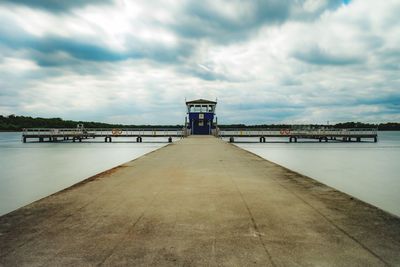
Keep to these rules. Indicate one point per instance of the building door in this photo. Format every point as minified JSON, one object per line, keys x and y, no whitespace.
{"x":201,"y":127}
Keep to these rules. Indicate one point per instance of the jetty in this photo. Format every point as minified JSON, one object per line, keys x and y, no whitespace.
{"x":199,"y":201}
{"x":200,"y":120}
{"x":79,"y":134}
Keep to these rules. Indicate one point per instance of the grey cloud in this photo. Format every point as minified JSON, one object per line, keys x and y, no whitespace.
{"x":206,"y":73}
{"x":318,"y":56}
{"x":56,"y":5}
{"x":200,"y":19}
{"x":50,"y":50}
{"x":258,"y":115}
{"x":300,"y":12}
{"x":391,"y":101}
{"x":389,"y":59}
{"x":290,"y":81}
{"x":75,"y":48}
{"x":44,"y":48}
{"x":297,"y":92}
{"x":264,"y":105}
{"x":197,"y":20}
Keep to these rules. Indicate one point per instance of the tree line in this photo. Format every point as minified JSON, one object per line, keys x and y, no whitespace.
{"x":17,"y":123}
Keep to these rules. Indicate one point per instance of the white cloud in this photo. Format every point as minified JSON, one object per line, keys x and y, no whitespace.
{"x":337,"y":64}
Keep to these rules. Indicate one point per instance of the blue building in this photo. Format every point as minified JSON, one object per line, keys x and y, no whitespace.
{"x":201,"y":116}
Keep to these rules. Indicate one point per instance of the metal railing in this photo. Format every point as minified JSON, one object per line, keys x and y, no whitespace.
{"x":103,"y":132}
{"x":296,"y":132}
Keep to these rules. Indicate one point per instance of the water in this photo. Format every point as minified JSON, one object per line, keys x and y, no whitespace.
{"x":368,"y":171}
{"x":32,"y":171}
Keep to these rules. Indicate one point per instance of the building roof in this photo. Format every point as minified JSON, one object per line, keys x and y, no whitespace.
{"x":201,"y":101}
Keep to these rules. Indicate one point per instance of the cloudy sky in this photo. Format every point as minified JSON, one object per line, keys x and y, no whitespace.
{"x":122,"y":61}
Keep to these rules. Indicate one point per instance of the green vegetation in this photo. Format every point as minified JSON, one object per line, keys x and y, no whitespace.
{"x":17,"y":123}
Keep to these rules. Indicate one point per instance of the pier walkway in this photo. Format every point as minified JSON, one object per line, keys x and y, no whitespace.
{"x":199,"y":202}
{"x":79,"y":134}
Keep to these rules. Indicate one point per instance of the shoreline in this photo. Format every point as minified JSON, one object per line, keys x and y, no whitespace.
{"x":20,"y":131}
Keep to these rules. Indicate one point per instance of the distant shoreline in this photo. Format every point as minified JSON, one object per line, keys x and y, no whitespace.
{"x":17,"y":123}
{"x":20,"y":131}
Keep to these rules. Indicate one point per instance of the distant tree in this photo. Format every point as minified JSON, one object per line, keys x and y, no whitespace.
{"x":17,"y":123}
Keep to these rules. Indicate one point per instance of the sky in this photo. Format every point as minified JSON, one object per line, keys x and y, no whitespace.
{"x":135,"y":62}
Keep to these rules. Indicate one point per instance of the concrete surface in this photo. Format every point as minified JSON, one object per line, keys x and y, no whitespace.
{"x":199,"y":202}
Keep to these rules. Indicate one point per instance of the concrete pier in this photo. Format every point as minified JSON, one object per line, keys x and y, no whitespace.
{"x":199,"y":202}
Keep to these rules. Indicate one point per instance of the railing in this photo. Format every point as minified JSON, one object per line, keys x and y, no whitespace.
{"x":296,"y":132}
{"x":182,"y":132}
{"x":103,"y":132}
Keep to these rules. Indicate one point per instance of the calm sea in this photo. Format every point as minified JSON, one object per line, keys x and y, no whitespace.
{"x":369,"y":171}
{"x":32,"y":171}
